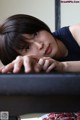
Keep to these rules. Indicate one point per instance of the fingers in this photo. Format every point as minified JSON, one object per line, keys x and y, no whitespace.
{"x":30,"y":64}
{"x":26,"y":61}
{"x":43,"y":64}
{"x":15,"y":66}
{"x":1,"y":69}
{"x":7,"y":68}
{"x":46,"y":64}
{"x":27,"y":64}
{"x":18,"y":63}
{"x":39,"y":66}
{"x":52,"y":66}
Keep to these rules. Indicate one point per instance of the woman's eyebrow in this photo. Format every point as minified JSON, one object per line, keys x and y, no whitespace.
{"x":31,"y":37}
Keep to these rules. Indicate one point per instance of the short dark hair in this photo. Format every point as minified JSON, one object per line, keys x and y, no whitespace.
{"x":11,"y":32}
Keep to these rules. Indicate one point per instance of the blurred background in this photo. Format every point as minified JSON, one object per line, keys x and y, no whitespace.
{"x":43,"y":9}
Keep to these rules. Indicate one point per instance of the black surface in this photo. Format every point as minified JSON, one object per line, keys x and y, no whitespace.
{"x":34,"y":93}
{"x":40,"y":84}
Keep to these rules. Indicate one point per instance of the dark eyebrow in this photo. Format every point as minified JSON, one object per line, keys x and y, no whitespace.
{"x":33,"y":35}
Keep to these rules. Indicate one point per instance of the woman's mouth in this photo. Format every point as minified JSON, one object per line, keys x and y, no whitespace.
{"x":48,"y":50}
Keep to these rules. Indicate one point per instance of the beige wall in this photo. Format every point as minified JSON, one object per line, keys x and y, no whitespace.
{"x":70,"y":13}
{"x":43,"y":9}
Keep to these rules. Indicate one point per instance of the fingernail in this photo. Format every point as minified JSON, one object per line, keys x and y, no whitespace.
{"x":28,"y":70}
{"x":41,"y":61}
{"x":37,"y":70}
{"x":3,"y":70}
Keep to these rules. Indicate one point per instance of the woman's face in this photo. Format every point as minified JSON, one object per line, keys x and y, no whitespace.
{"x":42,"y":44}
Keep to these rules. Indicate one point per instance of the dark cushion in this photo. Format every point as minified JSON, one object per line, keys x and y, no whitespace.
{"x":40,"y":84}
{"x":33,"y":93}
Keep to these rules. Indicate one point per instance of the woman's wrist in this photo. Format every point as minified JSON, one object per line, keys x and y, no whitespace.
{"x":62,"y":67}
{"x":65,"y":67}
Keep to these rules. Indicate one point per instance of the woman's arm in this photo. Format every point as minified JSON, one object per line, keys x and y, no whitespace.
{"x":70,"y":66}
{"x":75,"y":31}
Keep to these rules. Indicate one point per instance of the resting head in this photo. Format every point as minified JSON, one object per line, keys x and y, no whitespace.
{"x":12,"y":36}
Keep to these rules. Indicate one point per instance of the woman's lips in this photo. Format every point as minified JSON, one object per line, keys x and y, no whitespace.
{"x":48,"y":50}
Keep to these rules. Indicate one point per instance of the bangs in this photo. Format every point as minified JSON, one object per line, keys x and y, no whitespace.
{"x":20,"y":43}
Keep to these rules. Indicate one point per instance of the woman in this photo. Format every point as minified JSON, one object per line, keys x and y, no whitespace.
{"x":27,"y":41}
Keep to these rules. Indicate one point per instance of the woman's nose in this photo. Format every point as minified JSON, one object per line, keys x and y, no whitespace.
{"x":39,"y":45}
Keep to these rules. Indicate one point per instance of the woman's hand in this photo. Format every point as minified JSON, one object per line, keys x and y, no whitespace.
{"x":28,"y":62}
{"x":48,"y":64}
{"x":32,"y":64}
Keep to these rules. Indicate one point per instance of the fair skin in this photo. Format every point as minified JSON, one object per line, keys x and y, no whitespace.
{"x":42,"y":48}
